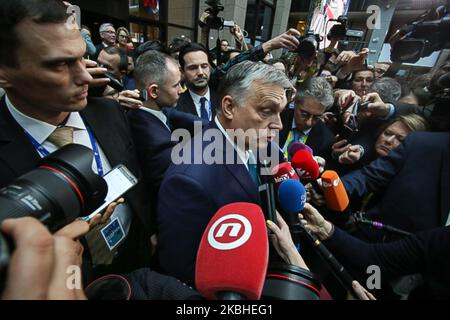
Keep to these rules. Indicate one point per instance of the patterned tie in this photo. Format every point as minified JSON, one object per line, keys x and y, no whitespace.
{"x":204,"y":113}
{"x":61,"y":136}
{"x":101,"y":255}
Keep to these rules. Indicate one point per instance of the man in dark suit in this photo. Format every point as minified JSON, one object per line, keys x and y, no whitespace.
{"x":302,"y":124}
{"x":199,"y":99}
{"x":415,"y":195}
{"x":108,"y":35}
{"x":201,"y":180}
{"x":46,"y":84}
{"x":158,"y":76}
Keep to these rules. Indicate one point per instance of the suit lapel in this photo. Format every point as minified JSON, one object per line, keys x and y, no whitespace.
{"x":445,"y":185}
{"x":107,"y":139}
{"x":15,"y":147}
{"x":237,"y":170}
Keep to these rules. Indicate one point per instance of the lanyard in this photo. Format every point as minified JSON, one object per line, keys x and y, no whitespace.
{"x":289,"y":140}
{"x":44,"y":152}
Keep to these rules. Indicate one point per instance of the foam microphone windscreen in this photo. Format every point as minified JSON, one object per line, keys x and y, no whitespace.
{"x":305,"y":165}
{"x":282,"y":172}
{"x":297,"y":146}
{"x":334,"y":191}
{"x":233,"y":253}
{"x":292,"y":196}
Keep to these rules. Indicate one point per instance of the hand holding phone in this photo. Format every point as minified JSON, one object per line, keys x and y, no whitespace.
{"x":119,"y":181}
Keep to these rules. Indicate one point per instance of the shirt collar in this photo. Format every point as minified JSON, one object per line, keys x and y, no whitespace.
{"x":157,"y":113}
{"x":243,"y":155}
{"x":38,"y":129}
{"x":197,"y":98}
{"x":305,"y":132}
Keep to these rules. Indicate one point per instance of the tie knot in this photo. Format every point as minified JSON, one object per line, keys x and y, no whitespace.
{"x":203,"y":100}
{"x":61,"y":136}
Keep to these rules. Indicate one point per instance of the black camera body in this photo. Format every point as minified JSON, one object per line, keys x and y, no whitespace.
{"x":422,"y":37}
{"x":308,"y":45}
{"x":213,"y":21}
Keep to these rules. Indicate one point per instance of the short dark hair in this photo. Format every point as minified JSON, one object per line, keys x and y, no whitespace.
{"x":13,"y":12}
{"x":190,"y":47}
{"x":151,"y":66}
{"x":113,"y":50}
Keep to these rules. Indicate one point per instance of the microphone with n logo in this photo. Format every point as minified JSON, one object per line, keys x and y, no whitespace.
{"x":233,"y":254}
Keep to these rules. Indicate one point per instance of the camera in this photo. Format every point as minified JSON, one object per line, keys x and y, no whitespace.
{"x":428,"y":33}
{"x":309,"y":44}
{"x":212,"y":20}
{"x":62,"y":188}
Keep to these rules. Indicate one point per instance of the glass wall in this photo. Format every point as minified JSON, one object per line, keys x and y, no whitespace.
{"x":169,"y":19}
{"x":259,"y":20}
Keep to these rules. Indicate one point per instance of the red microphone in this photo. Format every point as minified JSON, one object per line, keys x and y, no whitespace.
{"x":282,"y":172}
{"x":233,"y":254}
{"x":305,"y":165}
{"x":334,"y":191}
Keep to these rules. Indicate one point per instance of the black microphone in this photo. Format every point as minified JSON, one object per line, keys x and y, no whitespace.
{"x":292,"y":196}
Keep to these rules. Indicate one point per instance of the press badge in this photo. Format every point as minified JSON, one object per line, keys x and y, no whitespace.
{"x":113,"y":233}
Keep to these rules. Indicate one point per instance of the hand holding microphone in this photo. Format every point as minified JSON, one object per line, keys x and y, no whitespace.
{"x":282,"y":241}
{"x":313,"y":221}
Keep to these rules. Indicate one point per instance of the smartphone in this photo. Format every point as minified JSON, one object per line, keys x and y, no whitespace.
{"x":363,"y":106}
{"x":119,"y":181}
{"x":114,"y":83}
{"x":229,"y":24}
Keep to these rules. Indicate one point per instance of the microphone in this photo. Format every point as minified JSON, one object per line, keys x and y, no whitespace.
{"x":292,"y":196}
{"x":336,"y":197}
{"x":297,"y":146}
{"x":282,"y":172}
{"x":305,"y":166}
{"x":233,"y":254}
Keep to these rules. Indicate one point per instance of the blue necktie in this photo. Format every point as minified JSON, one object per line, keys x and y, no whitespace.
{"x":203,"y":112}
{"x":252,"y":169}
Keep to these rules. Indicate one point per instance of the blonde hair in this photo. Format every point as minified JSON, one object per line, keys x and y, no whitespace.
{"x":413,"y":121}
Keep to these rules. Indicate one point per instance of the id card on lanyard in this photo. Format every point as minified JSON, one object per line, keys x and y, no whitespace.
{"x":44,"y":152}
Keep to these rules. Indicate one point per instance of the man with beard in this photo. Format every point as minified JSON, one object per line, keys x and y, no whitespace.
{"x":198,"y":99}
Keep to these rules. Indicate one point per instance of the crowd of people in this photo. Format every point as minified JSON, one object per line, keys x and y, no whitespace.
{"x":126,"y":102}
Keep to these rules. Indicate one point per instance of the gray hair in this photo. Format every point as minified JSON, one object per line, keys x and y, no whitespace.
{"x":318,"y":88}
{"x":151,"y":67}
{"x":105,"y":26}
{"x":387,"y":88}
{"x":239,"y":79}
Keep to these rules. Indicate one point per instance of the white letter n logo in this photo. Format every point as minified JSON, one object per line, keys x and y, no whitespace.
{"x":235,"y":227}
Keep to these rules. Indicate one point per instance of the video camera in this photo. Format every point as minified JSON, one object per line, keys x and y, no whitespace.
{"x":309,"y":44}
{"x":212,"y":20}
{"x":428,"y":33}
{"x":62,"y":188}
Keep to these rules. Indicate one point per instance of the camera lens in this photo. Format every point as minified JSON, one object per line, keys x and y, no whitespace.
{"x":62,"y":188}
{"x":307,"y":47}
{"x":288,"y":282}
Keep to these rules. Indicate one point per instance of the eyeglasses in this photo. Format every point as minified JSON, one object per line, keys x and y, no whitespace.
{"x":308,"y":115}
{"x":109,"y":32}
{"x":123,"y":36}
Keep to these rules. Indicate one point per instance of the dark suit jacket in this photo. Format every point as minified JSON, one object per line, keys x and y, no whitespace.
{"x":108,"y":123}
{"x":186,"y":104}
{"x":189,"y":196}
{"x":320,"y":139}
{"x":413,"y":180}
{"x":98,"y":48}
{"x":425,"y":253}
